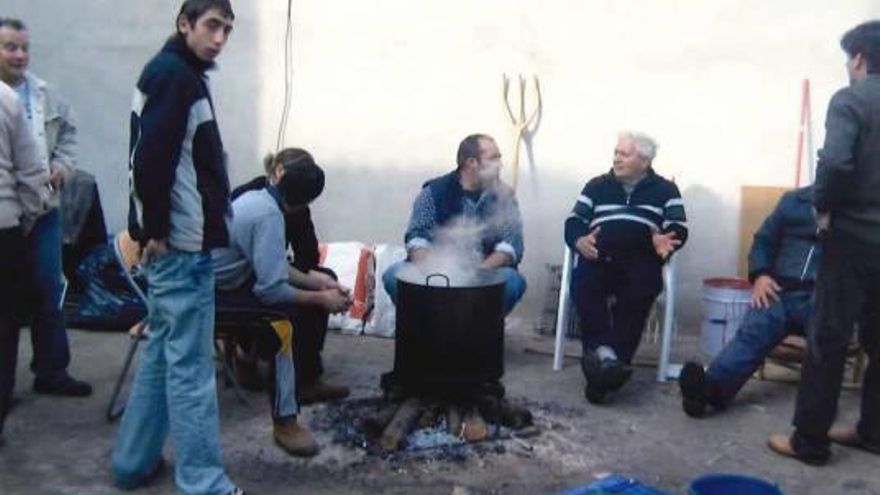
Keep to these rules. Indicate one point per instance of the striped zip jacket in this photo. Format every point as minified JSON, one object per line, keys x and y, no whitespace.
{"x":627,"y":221}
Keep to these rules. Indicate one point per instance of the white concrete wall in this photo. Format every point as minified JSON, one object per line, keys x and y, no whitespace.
{"x":384,"y":90}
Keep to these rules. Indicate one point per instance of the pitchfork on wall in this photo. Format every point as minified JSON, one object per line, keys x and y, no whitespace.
{"x":523,"y":128}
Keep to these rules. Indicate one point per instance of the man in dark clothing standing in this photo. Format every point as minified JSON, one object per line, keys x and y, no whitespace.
{"x":848,"y":285}
{"x":179,"y":208}
{"x":782,"y":269}
{"x":623,"y":226}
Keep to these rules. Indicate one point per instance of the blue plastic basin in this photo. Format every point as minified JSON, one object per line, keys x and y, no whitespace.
{"x":732,"y":484}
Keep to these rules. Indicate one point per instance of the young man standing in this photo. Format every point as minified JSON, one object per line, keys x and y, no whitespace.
{"x":53,"y":126}
{"x":179,"y":204}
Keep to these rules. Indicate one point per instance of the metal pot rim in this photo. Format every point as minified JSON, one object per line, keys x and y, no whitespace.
{"x":484,"y":278}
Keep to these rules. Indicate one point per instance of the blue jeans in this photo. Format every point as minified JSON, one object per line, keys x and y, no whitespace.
{"x":48,"y":335}
{"x":174,"y":388}
{"x":514,"y":284}
{"x":761,"y":330}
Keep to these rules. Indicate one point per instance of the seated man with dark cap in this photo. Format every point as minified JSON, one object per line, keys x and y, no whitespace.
{"x":782,"y":268}
{"x":253,"y":272}
{"x":304,"y":273}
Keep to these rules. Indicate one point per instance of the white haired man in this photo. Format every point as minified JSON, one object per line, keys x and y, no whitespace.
{"x":624,"y":225}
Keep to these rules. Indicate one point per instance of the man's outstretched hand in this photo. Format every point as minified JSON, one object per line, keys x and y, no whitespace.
{"x":586,"y":245}
{"x":665,"y":244}
{"x":764,"y":292}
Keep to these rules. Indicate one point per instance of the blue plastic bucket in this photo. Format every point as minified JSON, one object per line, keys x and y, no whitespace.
{"x":731,"y":484}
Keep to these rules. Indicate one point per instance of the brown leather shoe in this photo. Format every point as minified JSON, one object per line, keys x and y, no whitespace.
{"x":294,"y":439}
{"x":848,"y":436}
{"x":781,"y":444}
{"x":844,"y":435}
{"x":321,"y":391}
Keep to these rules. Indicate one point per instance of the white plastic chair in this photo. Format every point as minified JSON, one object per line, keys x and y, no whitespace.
{"x":665,"y":369}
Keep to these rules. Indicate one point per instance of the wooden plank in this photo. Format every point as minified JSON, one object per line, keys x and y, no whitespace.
{"x":756,"y":203}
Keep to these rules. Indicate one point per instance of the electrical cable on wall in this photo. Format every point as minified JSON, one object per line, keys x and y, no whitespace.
{"x":288,"y":77}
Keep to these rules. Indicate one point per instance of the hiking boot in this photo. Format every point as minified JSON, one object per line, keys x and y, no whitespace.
{"x":848,"y":436}
{"x":65,"y":386}
{"x":321,"y":391}
{"x":294,"y":439}
{"x":692,"y":382}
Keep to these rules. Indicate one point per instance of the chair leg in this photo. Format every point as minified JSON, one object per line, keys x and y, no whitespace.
{"x":859,"y":367}
{"x":223,"y":355}
{"x":113,"y":411}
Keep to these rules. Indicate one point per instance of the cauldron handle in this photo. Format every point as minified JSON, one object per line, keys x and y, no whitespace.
{"x":429,"y":277}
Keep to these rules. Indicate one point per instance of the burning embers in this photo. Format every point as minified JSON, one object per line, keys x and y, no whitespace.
{"x":470,"y":415}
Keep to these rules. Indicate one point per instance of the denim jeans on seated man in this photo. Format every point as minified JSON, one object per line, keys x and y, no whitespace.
{"x":174,"y":389}
{"x":514,"y":284}
{"x":761,"y":330}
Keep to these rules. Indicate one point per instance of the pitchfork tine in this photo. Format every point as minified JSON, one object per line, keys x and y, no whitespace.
{"x":506,"y":81}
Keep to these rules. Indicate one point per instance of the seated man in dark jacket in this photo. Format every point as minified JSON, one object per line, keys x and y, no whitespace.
{"x":623,"y":227}
{"x":782,"y":269}
{"x":467,"y":219}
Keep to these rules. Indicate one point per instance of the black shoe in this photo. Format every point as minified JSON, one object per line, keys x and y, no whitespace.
{"x":66,"y":386}
{"x":692,"y":382}
{"x":591,"y":365}
{"x":615,"y":374}
{"x":595,"y":395}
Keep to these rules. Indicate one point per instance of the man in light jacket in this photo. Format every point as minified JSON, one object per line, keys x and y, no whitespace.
{"x":23,"y":195}
{"x":54,"y":129}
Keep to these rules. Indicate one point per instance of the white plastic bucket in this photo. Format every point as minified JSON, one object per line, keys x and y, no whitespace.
{"x":725,"y":302}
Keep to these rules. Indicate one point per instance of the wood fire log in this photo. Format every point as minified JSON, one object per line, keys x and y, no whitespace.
{"x":489,"y":407}
{"x":375,"y":424}
{"x":401,"y":424}
{"x":453,"y":420}
{"x":513,"y":416}
{"x":475,"y":427}
{"x":430,"y":415}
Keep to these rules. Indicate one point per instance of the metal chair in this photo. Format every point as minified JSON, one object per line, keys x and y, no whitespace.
{"x":665,"y":369}
{"x":229,"y":325}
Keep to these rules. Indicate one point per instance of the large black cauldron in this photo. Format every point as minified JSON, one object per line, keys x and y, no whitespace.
{"x":450,"y":333}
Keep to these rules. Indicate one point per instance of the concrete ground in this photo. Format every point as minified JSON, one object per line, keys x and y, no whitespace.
{"x":62,"y":445}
